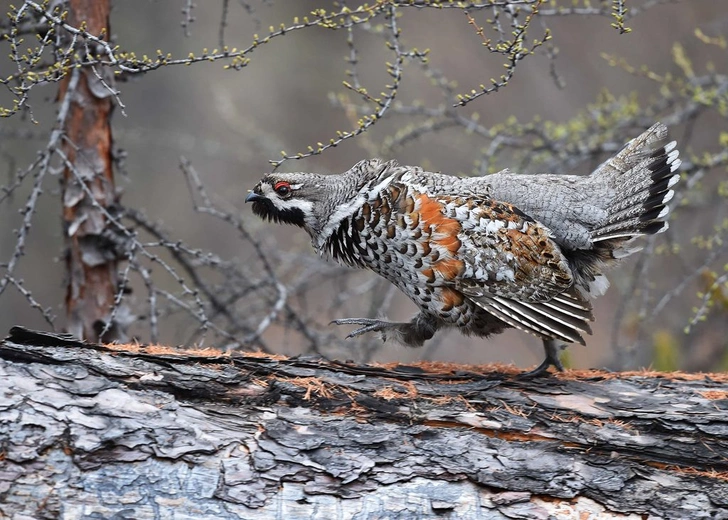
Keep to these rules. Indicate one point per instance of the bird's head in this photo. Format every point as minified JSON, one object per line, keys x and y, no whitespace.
{"x":290,"y":198}
{"x":317,"y":203}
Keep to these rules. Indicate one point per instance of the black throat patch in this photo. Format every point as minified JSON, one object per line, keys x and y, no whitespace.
{"x":265,"y":209}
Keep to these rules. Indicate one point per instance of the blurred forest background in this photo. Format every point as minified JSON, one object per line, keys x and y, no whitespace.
{"x":195,"y":267}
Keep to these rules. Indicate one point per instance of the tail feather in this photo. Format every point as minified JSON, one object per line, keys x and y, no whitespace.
{"x":641,"y":175}
{"x":565,"y":317}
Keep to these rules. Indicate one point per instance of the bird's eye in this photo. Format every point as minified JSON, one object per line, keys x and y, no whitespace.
{"x":282,"y":188}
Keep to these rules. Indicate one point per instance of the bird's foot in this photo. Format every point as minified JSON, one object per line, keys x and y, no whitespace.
{"x":368,"y":325}
{"x":551,"y":348}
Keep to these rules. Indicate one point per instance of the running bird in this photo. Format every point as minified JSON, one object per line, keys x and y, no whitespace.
{"x":488,"y":253}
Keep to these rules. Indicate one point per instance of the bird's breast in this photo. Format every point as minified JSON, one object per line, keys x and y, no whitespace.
{"x":406,"y":236}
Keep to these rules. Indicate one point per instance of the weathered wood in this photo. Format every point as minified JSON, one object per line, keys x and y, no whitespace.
{"x":149,"y":432}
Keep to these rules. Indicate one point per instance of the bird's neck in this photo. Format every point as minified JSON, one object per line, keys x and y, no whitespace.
{"x":338,"y":237}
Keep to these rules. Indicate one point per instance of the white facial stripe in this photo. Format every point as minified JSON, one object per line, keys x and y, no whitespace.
{"x":304,"y":205}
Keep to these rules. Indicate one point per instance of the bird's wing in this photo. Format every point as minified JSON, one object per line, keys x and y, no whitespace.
{"x":505,"y":252}
{"x":512,"y":268}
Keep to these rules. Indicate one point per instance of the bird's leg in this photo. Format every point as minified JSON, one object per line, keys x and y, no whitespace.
{"x":552,"y":349}
{"x":413,"y":333}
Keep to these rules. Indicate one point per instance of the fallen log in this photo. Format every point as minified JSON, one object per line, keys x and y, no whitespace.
{"x":133,"y":431}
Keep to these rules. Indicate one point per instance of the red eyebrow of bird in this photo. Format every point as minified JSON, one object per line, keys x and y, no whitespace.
{"x":281,"y":183}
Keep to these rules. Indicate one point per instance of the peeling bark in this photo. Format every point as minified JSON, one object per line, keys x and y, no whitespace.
{"x":88,"y":191}
{"x":150,"y":432}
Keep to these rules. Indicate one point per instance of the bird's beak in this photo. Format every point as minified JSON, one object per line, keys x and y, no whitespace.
{"x":252,"y":197}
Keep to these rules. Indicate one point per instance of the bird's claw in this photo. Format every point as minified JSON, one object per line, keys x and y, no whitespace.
{"x":552,"y":349}
{"x":541,"y":370}
{"x":369,"y":325}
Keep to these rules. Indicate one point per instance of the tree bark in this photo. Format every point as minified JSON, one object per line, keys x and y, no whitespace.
{"x":150,"y":432}
{"x":88,"y":190}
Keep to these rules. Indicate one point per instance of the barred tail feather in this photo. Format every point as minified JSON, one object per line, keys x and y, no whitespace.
{"x":564,"y":317}
{"x":641,"y":176}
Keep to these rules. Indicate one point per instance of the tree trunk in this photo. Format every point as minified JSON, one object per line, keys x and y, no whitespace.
{"x":150,"y":432}
{"x":88,"y":189}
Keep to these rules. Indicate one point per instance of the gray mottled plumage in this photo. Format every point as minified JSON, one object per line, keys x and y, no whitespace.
{"x":483,"y":254}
